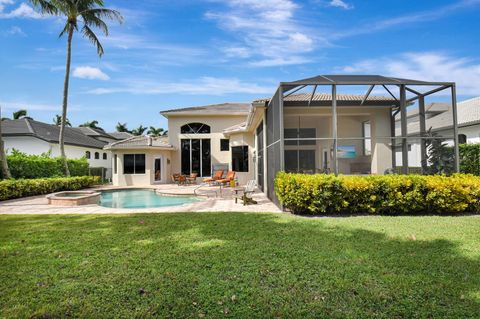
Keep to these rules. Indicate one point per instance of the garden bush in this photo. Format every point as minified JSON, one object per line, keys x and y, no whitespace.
{"x":12,"y":188}
{"x":470,"y":158}
{"x":389,"y":194}
{"x":40,"y":166}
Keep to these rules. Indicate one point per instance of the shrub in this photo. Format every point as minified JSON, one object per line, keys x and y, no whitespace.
{"x":11,"y":188}
{"x":470,"y":158}
{"x":40,"y":166}
{"x":389,"y":194}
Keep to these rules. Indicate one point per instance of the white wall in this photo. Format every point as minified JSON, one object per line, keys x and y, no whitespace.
{"x":35,"y":146}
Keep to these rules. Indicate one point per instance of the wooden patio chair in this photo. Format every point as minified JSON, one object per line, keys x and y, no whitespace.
{"x":175,"y":178}
{"x":217,"y":176}
{"x":245,"y":193}
{"x":230,"y":177}
{"x":192,"y":178}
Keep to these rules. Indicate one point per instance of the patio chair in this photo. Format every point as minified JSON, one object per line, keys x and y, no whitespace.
{"x":192,"y":178}
{"x":245,"y":193}
{"x":175,"y":178}
{"x":230,"y":177}
{"x":217,"y":176}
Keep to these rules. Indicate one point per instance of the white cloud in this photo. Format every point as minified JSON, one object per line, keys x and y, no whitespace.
{"x":203,"y":86}
{"x":91,"y":73}
{"x":429,"y":66}
{"x":23,"y":11}
{"x":267,"y":30}
{"x":14,"y":30}
{"x":340,"y":4}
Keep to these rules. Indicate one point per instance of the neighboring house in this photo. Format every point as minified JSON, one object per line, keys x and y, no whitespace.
{"x":439,"y":121}
{"x":33,"y":137}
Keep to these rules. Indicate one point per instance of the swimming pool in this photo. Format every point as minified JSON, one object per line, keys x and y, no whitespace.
{"x":141,"y":198}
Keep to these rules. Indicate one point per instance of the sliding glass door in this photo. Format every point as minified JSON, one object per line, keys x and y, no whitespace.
{"x":196,"y":156}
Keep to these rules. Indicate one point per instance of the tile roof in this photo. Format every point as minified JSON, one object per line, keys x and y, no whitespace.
{"x":89,"y":131}
{"x":141,"y":142}
{"x":213,"y":109}
{"x":325,"y":98}
{"x":48,"y":132}
{"x":120,"y":135}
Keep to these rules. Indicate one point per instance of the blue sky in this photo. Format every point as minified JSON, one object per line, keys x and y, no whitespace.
{"x":170,"y":54}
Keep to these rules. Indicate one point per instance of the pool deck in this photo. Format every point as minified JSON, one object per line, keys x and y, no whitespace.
{"x":216,"y":200}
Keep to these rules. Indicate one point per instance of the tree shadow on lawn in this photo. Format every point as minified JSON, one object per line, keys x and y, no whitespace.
{"x":240,"y":265}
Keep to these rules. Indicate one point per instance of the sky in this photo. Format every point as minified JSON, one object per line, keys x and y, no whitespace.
{"x":170,"y":54}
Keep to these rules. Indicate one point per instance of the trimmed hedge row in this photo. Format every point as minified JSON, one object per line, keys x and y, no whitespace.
{"x":470,"y":158}
{"x":388,"y":194}
{"x":10,"y":189}
{"x":41,"y":166}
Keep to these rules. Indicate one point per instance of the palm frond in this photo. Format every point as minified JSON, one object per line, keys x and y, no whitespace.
{"x":65,"y":30}
{"x":46,"y":7}
{"x":103,"y":13}
{"x":92,"y":20}
{"x":88,"y":33}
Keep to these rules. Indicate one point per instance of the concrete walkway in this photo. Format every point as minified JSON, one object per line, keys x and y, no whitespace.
{"x":215,"y":200}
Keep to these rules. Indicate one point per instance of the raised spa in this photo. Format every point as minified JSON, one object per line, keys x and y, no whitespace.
{"x":74,"y":198}
{"x":142,"y":198}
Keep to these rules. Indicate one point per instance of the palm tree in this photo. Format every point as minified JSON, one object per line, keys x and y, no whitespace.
{"x":57,"y":120}
{"x":5,"y":170}
{"x":122,"y":127}
{"x":21,"y":114}
{"x":139,"y":130}
{"x":92,"y":124}
{"x":90,"y":13}
{"x":153,"y":131}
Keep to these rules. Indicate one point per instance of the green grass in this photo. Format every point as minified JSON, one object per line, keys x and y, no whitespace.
{"x":239,"y":265}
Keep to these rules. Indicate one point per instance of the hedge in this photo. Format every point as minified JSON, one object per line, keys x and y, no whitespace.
{"x":470,"y":158}
{"x":12,"y":188}
{"x":40,"y":166}
{"x":388,"y":194}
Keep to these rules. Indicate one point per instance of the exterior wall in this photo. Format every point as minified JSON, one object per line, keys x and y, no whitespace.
{"x":36,"y":146}
{"x":217,"y":125}
{"x":120,"y":179}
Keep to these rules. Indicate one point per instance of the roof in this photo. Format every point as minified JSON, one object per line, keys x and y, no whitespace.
{"x":326,"y":99}
{"x":48,"y":132}
{"x":358,"y":80}
{"x":213,"y":109}
{"x":468,"y":113}
{"x":94,"y":132}
{"x":236,"y":128}
{"x":120,"y":135}
{"x":140,"y":142}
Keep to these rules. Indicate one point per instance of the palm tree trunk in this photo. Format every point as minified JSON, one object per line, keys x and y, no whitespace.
{"x":3,"y":155}
{"x":65,"y":101}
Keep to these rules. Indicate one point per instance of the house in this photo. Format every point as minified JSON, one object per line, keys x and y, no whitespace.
{"x":439,"y":122}
{"x":35,"y":138}
{"x":296,"y":130}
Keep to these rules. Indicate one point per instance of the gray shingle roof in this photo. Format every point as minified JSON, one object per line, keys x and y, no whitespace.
{"x":120,"y":135}
{"x":213,"y":109}
{"x":141,"y":142}
{"x":93,"y":132}
{"x":48,"y":132}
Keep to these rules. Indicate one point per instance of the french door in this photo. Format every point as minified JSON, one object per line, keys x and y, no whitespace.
{"x":196,"y":156}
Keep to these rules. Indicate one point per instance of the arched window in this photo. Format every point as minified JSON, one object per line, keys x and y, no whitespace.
{"x":97,"y":155}
{"x":104,"y":156}
{"x":462,"y":139}
{"x":87,"y":154}
{"x":195,"y":128}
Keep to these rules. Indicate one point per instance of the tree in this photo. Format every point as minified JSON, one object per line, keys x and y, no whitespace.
{"x":57,"y":120}
{"x":139,"y":130}
{"x":152,"y":131}
{"x":21,"y":114}
{"x":440,"y":156}
{"x":90,"y":13}
{"x":122,"y":127}
{"x":3,"y":154}
{"x":92,"y":124}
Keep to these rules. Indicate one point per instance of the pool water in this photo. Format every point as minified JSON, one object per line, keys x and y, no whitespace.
{"x":142,"y":198}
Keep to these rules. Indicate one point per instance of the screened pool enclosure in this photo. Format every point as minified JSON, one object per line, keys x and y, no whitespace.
{"x":378,"y":129}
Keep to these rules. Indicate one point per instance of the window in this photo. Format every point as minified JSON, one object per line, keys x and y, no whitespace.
{"x":240,"y":158}
{"x":115,"y":164}
{"x":300,"y":161}
{"x":97,"y":155}
{"x":300,"y":133}
{"x":195,"y":128}
{"x":134,"y":164}
{"x":104,"y":156}
{"x":462,"y":139}
{"x":367,"y":141}
{"x":224,"y":144}
{"x":196,"y":157}
{"x":87,"y":154}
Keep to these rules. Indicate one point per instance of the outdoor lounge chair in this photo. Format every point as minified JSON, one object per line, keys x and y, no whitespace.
{"x":230,"y":177}
{"x":192,"y":178}
{"x":175,"y":178}
{"x":245,"y":193}
{"x":217,"y":176}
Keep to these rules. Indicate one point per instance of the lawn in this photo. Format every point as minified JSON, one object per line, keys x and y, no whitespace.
{"x":239,"y":265}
